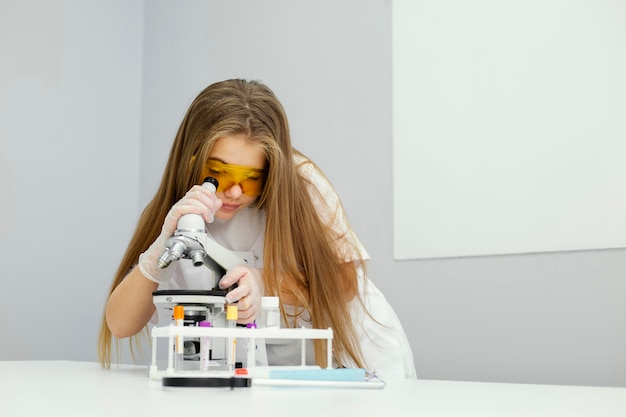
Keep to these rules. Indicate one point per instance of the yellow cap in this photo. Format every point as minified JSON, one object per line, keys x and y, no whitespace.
{"x":232,"y":313}
{"x":179,"y":313}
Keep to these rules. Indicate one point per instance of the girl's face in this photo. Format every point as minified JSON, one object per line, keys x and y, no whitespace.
{"x":239,"y":167}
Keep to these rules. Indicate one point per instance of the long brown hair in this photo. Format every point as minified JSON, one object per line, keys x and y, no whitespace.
{"x":299,"y":247}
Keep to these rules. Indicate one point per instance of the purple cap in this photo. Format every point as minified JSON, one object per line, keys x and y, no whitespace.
{"x":205,"y":324}
{"x":251,"y":326}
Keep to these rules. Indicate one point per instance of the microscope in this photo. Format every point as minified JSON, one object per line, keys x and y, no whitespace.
{"x":190,"y":240}
{"x":201,"y":307}
{"x":202,"y":337}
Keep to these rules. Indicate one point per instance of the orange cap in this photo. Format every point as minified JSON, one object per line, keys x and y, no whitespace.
{"x":179,"y":313}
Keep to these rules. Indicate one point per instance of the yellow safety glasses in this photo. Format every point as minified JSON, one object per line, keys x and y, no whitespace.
{"x":250,"y":180}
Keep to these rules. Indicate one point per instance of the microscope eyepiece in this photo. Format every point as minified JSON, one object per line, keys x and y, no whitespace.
{"x":210,"y":180}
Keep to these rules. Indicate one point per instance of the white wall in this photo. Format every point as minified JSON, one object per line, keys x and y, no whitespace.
{"x":509,"y":120}
{"x":551,"y":318}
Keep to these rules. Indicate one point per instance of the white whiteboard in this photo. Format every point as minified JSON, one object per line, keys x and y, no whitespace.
{"x":509,"y":127}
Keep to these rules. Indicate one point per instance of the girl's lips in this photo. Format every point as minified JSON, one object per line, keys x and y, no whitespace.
{"x":229,"y":207}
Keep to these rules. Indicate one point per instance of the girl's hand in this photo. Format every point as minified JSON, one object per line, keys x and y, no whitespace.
{"x":247,"y":295}
{"x":198,"y":200}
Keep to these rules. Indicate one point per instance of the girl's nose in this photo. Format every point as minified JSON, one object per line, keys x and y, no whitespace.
{"x":233,"y":191}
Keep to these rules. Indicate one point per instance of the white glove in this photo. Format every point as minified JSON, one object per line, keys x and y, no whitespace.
{"x":198,"y":200}
{"x":148,"y":261}
{"x":247,"y":295}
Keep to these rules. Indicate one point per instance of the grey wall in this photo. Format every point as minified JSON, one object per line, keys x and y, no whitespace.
{"x":70,"y":78}
{"x":549,"y":318}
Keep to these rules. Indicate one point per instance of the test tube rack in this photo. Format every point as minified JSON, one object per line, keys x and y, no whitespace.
{"x":171,"y":332}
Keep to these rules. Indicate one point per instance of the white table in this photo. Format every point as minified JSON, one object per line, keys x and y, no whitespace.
{"x":64,"y":388}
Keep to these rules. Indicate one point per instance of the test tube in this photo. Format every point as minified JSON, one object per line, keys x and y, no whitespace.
{"x":231,"y":319}
{"x":270,"y":313}
{"x":251,"y":346}
{"x":179,"y":345}
{"x":205,"y":348}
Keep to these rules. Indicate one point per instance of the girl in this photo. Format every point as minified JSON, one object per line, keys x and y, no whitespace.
{"x":276,"y":204}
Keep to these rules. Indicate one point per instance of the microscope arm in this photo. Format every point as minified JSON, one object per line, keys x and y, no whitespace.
{"x":219,"y":255}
